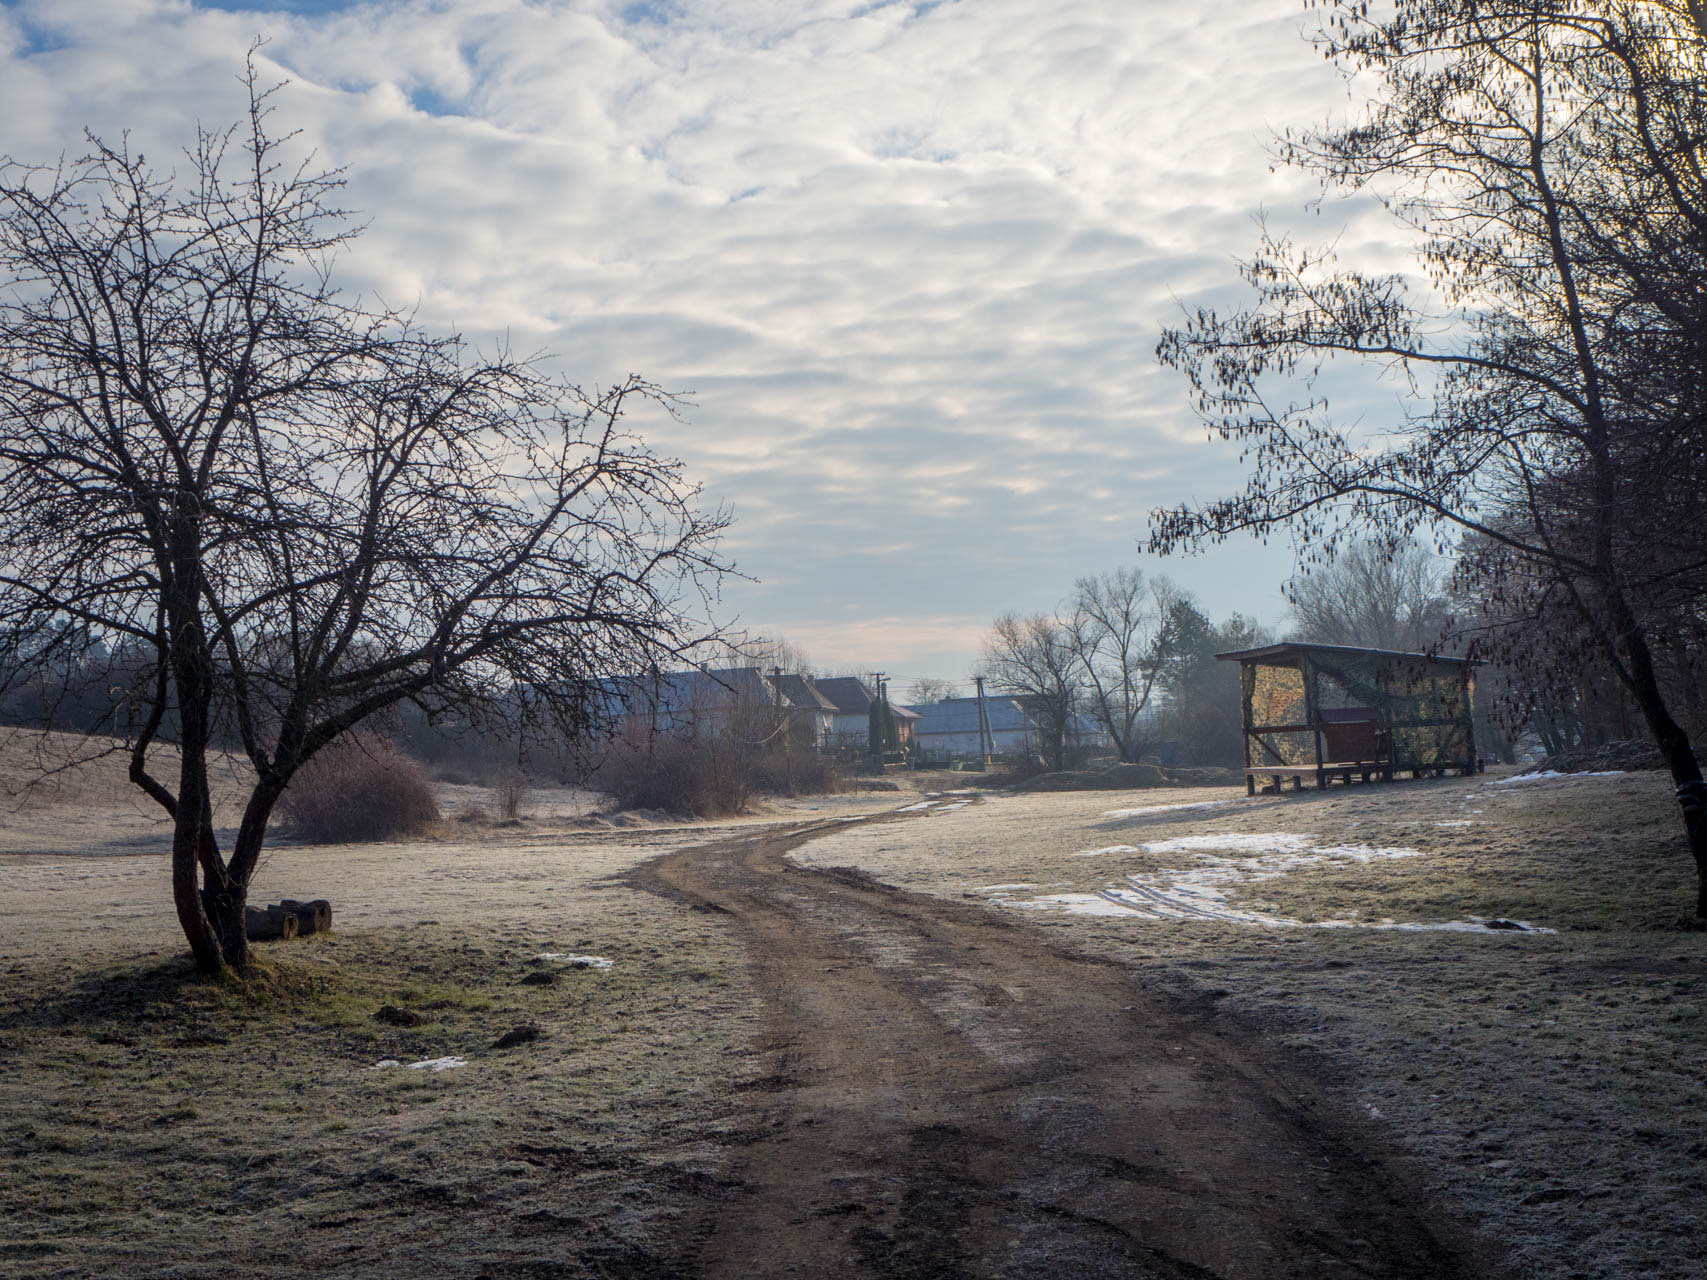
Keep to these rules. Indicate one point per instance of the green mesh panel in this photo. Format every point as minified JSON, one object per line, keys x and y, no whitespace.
{"x":1425,"y":706}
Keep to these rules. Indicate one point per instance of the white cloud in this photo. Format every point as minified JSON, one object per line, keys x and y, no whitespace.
{"x":910,"y":259}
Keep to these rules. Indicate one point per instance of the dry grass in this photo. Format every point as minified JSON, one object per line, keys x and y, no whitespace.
{"x":1548,"y":1082}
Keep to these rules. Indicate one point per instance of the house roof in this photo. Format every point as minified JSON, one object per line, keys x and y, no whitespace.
{"x":1287,"y":654}
{"x":847,"y":694}
{"x":960,"y":715}
{"x":850,"y":696}
{"x":802,"y":693}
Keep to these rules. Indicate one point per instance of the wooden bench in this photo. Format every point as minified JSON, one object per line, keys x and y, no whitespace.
{"x":1354,"y":745}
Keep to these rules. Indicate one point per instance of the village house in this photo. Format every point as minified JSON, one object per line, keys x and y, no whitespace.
{"x":852,"y":700}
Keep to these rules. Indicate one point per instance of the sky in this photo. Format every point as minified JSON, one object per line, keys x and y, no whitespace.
{"x":907,"y":261}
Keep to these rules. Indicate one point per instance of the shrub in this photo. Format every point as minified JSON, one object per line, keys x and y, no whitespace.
{"x":715,"y":771}
{"x":509,"y":793}
{"x":358,"y":788}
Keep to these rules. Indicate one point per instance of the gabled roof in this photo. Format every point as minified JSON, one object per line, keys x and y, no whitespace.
{"x":960,"y":715}
{"x":803,"y":694}
{"x":1288,"y":653}
{"x":847,"y":694}
{"x":850,"y":697}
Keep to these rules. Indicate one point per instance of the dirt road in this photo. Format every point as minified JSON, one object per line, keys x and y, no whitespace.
{"x":953,"y":1096}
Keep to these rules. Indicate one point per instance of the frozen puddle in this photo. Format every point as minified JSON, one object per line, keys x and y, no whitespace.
{"x":1548,"y":775}
{"x":1222,"y":864}
{"x":576,"y":962}
{"x":1165,"y":808}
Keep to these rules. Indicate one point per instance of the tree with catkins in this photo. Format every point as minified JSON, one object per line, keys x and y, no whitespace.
{"x":1545,"y":155}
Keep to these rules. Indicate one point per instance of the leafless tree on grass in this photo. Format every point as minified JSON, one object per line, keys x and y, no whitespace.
{"x":287,"y":510}
{"x":1032,"y":659}
{"x":1116,"y":626}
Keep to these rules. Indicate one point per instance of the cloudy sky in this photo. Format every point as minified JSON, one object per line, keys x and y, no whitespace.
{"x":909,"y":260}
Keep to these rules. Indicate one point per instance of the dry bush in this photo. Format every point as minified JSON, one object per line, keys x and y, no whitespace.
{"x":713,"y":769}
{"x":358,"y":789}
{"x":509,"y":793}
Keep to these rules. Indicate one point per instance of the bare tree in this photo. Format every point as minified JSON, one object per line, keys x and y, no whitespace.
{"x":1547,"y":155}
{"x":1116,"y":626}
{"x":1373,"y":595}
{"x":1033,"y":660}
{"x":928,"y":689}
{"x":291,"y":512}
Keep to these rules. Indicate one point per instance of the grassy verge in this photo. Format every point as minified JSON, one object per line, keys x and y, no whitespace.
{"x":157,"y":1123}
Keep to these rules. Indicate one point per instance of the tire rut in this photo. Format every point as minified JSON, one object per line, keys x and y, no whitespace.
{"x":951,"y":1096}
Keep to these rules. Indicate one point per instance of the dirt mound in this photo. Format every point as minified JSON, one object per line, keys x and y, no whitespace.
{"x":1628,"y":754}
{"x":1127,"y":777}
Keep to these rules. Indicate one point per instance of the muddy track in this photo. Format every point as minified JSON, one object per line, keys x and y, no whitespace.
{"x":953,"y":1096}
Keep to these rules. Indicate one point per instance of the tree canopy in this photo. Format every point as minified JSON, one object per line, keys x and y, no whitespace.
{"x":1546,"y":154}
{"x":280,"y":510}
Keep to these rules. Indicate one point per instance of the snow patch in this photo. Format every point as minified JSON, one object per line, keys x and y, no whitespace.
{"x":1113,"y":848}
{"x":1547,"y":775}
{"x":438,"y":1064}
{"x":1230,"y":861}
{"x":1077,"y":904}
{"x":914,"y":808}
{"x":576,"y":962}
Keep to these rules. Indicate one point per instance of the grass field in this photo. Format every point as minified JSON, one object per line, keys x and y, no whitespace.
{"x":152,"y":1123}
{"x":156,"y":1124}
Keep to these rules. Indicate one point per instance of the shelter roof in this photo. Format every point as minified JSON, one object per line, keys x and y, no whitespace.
{"x":1288,"y":653}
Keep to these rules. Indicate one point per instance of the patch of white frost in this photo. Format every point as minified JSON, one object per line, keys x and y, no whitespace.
{"x":1547,"y":775}
{"x":576,"y":962}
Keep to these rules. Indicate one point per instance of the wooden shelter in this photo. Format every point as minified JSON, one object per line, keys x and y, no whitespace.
{"x":1331,"y":711}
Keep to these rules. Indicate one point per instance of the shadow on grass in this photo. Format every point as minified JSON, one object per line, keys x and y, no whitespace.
{"x":166,"y":990}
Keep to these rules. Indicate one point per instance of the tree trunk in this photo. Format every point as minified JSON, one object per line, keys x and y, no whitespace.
{"x":1673,"y":743}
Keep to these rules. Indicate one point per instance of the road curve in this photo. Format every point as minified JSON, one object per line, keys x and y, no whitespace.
{"x":952,"y":1095}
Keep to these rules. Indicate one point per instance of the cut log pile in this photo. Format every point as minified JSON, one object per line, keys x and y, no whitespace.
{"x":287,"y":919}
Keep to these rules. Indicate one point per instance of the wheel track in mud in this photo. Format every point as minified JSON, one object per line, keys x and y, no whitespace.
{"x":953,"y":1095}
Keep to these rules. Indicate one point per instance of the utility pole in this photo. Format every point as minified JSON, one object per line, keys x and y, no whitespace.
{"x":875,"y":717}
{"x":986,"y":743}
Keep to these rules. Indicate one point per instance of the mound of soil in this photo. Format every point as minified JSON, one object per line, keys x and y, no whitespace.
{"x":1629,"y":755}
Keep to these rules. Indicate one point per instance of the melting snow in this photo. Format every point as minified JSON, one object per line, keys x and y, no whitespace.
{"x":1226,"y":862}
{"x":913,"y":808}
{"x":1078,"y":904}
{"x":438,"y":1064}
{"x":576,"y":962}
{"x":1547,"y":775}
{"x":1113,"y":848}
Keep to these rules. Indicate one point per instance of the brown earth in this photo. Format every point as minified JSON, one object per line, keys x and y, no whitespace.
{"x":955,"y":1095}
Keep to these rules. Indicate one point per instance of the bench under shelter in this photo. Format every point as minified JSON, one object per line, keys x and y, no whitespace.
{"x":1338,"y":713}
